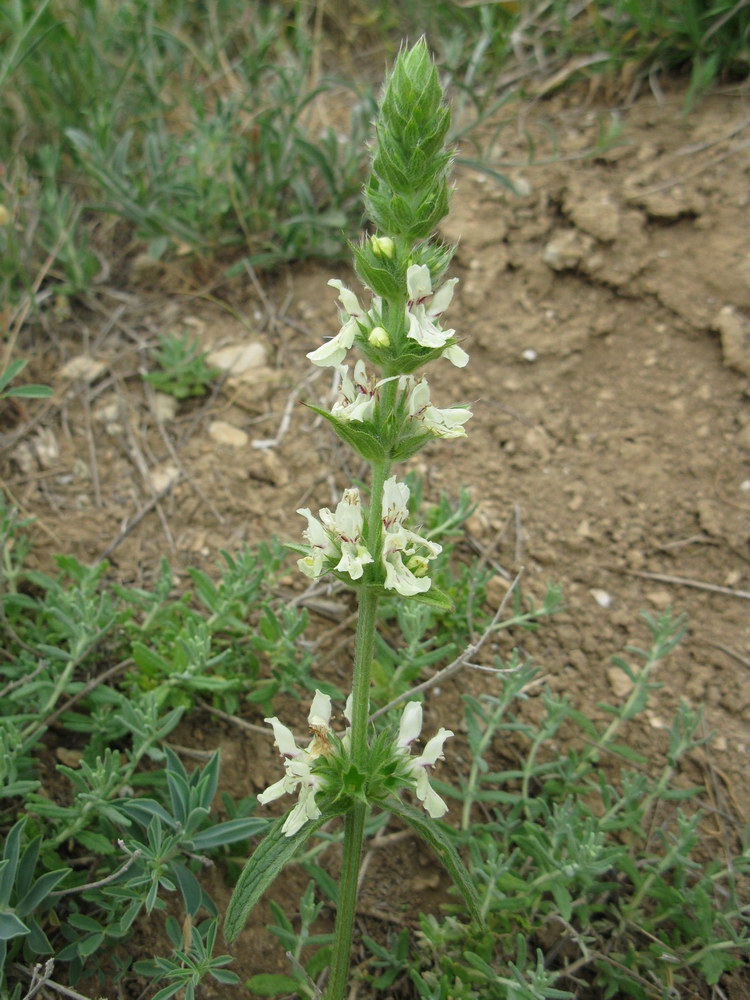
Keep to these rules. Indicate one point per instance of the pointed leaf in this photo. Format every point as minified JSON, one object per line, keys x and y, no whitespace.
{"x":433,"y":597}
{"x":11,"y":926}
{"x":10,"y":372}
{"x":31,"y":391}
{"x":409,"y":446}
{"x":268,"y":984}
{"x":360,"y":436}
{"x":433,"y":834}
{"x":270,"y":856}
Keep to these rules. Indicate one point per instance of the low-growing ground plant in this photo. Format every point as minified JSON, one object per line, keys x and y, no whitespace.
{"x":181,"y":369}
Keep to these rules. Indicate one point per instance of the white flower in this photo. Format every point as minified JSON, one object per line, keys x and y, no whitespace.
{"x":424,"y":307}
{"x":333,"y":352}
{"x":409,"y":730}
{"x":395,"y":502}
{"x":298,"y":764}
{"x":336,"y":536}
{"x":407,"y":577}
{"x":398,"y":575}
{"x":446,"y":423}
{"x":456,"y":355}
{"x":358,"y":395}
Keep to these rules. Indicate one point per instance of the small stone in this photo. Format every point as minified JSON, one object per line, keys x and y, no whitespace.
{"x":227,"y":434}
{"x":163,"y":407}
{"x":83,"y":367}
{"x":619,"y":681}
{"x":734,"y":328}
{"x":578,"y":660}
{"x":162,"y":477}
{"x":529,"y":354}
{"x":602,"y":598}
{"x":238,"y":358}
{"x":661,"y":599}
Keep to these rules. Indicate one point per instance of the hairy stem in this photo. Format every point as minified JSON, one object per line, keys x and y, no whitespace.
{"x":354,"y":824}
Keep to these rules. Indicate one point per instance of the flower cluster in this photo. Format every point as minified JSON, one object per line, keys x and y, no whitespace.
{"x":336,"y":542}
{"x":418,"y":767}
{"x":405,"y":553}
{"x":298,"y":763}
{"x":357,"y":395}
{"x":302,"y":778}
{"x":336,"y":539}
{"x":424,"y":308}
{"x":443,"y":423}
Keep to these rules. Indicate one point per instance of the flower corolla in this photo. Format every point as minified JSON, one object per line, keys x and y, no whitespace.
{"x":425,"y":307}
{"x":353,"y":317}
{"x":418,"y":767}
{"x":405,"y":553}
{"x":335,"y":539}
{"x":446,"y":423}
{"x":358,"y":395}
{"x":298,"y":762}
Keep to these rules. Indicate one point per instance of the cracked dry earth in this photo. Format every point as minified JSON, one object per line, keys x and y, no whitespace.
{"x":607,"y":314}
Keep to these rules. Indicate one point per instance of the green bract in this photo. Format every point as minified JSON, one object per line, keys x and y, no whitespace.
{"x":407,"y":193}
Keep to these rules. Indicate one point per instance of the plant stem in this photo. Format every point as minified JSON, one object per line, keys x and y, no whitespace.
{"x":354,"y":823}
{"x":354,"y":827}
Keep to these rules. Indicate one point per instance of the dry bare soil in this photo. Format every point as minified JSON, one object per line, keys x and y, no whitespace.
{"x":607,"y":314}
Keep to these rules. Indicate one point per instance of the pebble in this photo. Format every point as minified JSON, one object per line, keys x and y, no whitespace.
{"x":596,"y":215}
{"x":83,"y":367}
{"x":620,"y":683}
{"x":40,"y":452}
{"x":734,"y":328}
{"x":602,"y":598}
{"x":163,"y":476}
{"x":224,"y":433}
{"x":661,"y":599}
{"x":238,"y":358}
{"x":163,"y":407}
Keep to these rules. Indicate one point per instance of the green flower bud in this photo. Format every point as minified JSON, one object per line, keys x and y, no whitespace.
{"x":407,"y":193}
{"x":382,"y":246}
{"x":379,"y":337}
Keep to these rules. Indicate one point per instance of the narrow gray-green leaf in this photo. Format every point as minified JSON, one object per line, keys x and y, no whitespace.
{"x":431,"y":832}
{"x":269,"y":857}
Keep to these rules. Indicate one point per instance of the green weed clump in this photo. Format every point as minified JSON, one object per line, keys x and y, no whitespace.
{"x":181,"y":369}
{"x":591,"y":869}
{"x":208,"y":135}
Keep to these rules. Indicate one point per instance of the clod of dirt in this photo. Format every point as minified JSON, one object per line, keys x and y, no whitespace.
{"x":566,"y":249}
{"x":595,"y":213}
{"x":163,"y":407}
{"x":668,"y":206}
{"x":40,"y":452}
{"x":224,"y":433}
{"x":734,"y":328}
{"x":163,"y":476}
{"x":82,"y":367}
